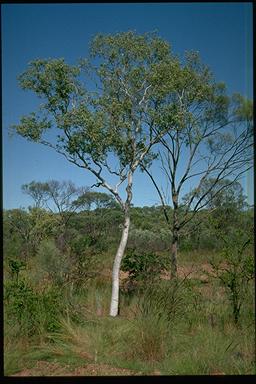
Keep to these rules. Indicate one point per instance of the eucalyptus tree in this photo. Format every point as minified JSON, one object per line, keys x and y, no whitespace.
{"x":103,"y":114}
{"x":90,"y":199}
{"x":59,"y":197}
{"x":225,"y":194}
{"x":208,"y":142}
{"x":56,"y":196}
{"x":29,"y":227}
{"x":36,"y":191}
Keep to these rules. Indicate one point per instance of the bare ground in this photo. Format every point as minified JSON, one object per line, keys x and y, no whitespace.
{"x":44,"y":368}
{"x":192,"y":271}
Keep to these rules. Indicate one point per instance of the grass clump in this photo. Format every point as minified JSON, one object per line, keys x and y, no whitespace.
{"x":172,"y":327}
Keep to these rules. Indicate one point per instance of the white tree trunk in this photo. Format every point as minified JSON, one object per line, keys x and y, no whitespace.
{"x":116,"y":267}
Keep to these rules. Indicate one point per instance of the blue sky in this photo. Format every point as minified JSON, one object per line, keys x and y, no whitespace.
{"x":221,"y":32}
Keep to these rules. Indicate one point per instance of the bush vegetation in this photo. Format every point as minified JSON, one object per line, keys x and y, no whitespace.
{"x":56,"y":300}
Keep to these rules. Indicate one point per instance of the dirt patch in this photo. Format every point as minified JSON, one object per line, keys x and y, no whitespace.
{"x":124,"y":275}
{"x":44,"y":368}
{"x":217,"y":373}
{"x":103,"y":370}
{"x":191,"y":271}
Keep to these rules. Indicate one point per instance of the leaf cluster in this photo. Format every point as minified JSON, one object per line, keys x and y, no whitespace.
{"x":142,"y":265}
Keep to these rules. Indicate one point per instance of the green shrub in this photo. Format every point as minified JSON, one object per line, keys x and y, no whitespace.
{"x":234,"y":267}
{"x":81,"y":243}
{"x":83,"y":260}
{"x":53,"y":261}
{"x":34,"y":312}
{"x":15,"y":267}
{"x":143,"y":266}
{"x":145,"y":240}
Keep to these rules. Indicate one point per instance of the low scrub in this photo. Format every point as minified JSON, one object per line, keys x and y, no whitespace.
{"x":34,"y":312}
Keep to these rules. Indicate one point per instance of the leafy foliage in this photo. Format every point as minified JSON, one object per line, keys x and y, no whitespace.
{"x":33,"y":311}
{"x":88,"y":200}
{"x":130,"y":70}
{"x":143,"y":266}
{"x":53,"y":262}
{"x":16,"y":266}
{"x":27,"y":228}
{"x":235,"y":267}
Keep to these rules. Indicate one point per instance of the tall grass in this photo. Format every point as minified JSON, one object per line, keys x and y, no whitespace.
{"x":171,"y":328}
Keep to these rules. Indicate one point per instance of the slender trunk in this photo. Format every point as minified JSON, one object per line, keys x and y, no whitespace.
{"x":61,"y":243}
{"x":114,"y":306}
{"x":174,"y":251}
{"x":116,"y":267}
{"x":175,"y":236}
